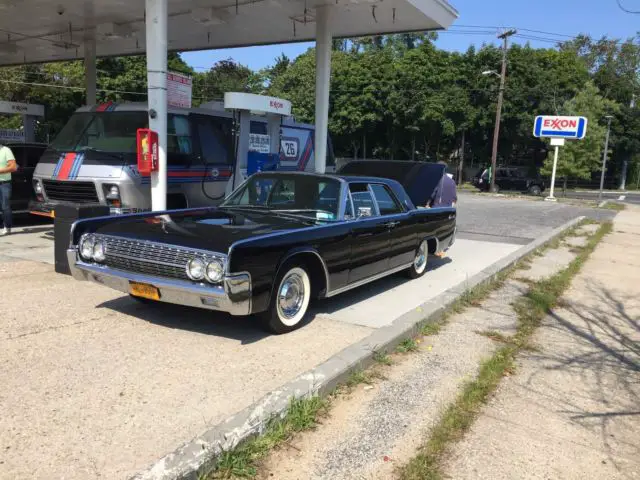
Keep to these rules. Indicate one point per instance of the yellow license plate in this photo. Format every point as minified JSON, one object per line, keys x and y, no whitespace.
{"x":144,"y":290}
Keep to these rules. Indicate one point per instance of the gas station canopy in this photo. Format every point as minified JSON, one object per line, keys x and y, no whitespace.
{"x":33,"y":31}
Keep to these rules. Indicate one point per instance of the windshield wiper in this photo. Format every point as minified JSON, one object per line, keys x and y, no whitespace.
{"x":117,"y":156}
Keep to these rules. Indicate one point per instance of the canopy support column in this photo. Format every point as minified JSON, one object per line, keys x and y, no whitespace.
{"x":90,"y":69}
{"x":323,"y":79}
{"x":156,"y":29}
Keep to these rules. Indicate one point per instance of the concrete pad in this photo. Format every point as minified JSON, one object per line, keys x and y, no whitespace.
{"x":29,"y":243}
{"x":548,"y":265}
{"x":378,"y":304}
{"x":99,"y":385}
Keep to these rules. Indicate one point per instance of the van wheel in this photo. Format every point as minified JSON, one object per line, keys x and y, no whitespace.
{"x":419,"y":265}
{"x":535,"y":190}
{"x":290,"y":300}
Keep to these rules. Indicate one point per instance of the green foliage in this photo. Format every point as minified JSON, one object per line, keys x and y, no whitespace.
{"x":399,"y":96}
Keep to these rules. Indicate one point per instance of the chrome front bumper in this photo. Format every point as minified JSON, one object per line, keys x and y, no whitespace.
{"x":233,"y":296}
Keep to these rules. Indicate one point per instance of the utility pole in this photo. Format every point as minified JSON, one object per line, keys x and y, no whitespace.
{"x":604,"y":156}
{"x":496,"y":130}
{"x":461,"y":166}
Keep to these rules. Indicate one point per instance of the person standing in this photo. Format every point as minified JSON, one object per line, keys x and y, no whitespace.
{"x":7,"y":167}
{"x":445,"y":194}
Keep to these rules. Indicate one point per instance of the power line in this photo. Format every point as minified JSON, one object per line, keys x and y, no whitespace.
{"x":626,"y":10}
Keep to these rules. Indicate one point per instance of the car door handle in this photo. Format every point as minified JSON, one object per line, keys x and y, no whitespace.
{"x":392,"y":224}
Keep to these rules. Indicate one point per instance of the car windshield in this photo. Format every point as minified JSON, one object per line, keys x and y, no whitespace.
{"x":103,"y":131}
{"x":304,"y":195}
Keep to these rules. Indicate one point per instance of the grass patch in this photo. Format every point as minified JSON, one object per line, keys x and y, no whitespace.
{"x":359,"y":377}
{"x":241,"y":462}
{"x":618,"y":207}
{"x":432,"y":328}
{"x":407,"y":345}
{"x":495,"y":336}
{"x":458,"y":417}
{"x":382,"y":358}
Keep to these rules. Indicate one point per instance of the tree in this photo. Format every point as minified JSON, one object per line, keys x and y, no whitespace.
{"x":226,"y":76}
{"x":579,"y":158}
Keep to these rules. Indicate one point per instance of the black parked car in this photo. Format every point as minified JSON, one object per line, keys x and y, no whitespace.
{"x":27,"y":156}
{"x":280,"y":240}
{"x":511,"y":178}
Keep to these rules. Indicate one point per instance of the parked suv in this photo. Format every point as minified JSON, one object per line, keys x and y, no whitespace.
{"x":27,"y":156}
{"x":512,"y":178}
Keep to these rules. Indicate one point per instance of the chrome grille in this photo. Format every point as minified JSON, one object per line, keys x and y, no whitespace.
{"x":148,"y":258}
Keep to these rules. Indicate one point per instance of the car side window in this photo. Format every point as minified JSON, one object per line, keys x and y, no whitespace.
{"x":387,"y":204}
{"x":363,"y":202}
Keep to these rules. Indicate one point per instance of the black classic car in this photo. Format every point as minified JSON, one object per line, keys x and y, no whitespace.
{"x":279,"y":241}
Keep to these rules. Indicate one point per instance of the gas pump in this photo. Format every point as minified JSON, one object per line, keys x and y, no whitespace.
{"x":266,"y":155}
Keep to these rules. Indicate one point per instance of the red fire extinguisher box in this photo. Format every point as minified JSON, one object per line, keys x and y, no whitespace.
{"x":147,"y":141}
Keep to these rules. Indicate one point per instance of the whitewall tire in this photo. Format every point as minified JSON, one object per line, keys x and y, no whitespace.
{"x":420,"y":260}
{"x":289,"y":301}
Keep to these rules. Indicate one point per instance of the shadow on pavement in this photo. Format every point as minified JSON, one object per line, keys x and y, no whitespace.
{"x":246,"y":330}
{"x":352,"y":297}
{"x":605,"y":353}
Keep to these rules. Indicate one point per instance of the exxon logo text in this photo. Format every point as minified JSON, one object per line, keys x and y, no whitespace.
{"x":559,"y":123}
{"x":276,"y":104}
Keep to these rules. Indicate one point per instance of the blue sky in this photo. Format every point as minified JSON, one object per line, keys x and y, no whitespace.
{"x":566,"y":17}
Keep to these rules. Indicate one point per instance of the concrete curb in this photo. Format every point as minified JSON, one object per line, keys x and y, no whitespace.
{"x":192,"y":459}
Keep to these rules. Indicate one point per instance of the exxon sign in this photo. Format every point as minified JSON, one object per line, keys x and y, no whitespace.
{"x":560,"y":127}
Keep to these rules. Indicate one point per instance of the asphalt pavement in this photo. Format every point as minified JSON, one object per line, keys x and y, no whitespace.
{"x":515,"y":220}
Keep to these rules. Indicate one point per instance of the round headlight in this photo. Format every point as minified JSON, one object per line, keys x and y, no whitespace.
{"x":196,"y":269}
{"x":99,"y":251}
{"x":37,"y":186}
{"x":113,"y":193}
{"x":86,"y":246}
{"x":215,"y":270}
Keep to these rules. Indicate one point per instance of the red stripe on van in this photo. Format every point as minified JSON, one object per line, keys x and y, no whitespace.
{"x":67,"y":165}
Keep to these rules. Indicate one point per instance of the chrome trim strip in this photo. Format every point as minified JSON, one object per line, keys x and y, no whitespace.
{"x":373,"y":278}
{"x":211,"y":297}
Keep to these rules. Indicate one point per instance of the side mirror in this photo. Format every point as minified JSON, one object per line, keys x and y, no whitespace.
{"x":364,"y":212}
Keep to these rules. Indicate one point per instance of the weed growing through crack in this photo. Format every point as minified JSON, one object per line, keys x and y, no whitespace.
{"x":382,"y":358}
{"x":407,"y":345}
{"x":302,"y":414}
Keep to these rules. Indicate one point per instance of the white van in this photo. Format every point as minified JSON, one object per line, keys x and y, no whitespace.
{"x":93,"y":160}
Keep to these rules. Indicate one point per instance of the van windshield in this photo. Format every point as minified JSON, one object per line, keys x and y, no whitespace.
{"x":104,"y":131}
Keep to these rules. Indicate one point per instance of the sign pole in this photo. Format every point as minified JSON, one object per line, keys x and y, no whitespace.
{"x":553,"y":175}
{"x":557,"y":143}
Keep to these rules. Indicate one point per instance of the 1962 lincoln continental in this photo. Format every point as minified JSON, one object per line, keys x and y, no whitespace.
{"x":279,"y":241}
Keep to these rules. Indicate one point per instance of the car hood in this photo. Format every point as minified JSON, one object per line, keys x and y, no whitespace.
{"x":419,"y":179}
{"x":214,"y":229}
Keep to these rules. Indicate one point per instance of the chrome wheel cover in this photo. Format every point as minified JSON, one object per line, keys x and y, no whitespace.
{"x":293,"y":296}
{"x":420,"y":262}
